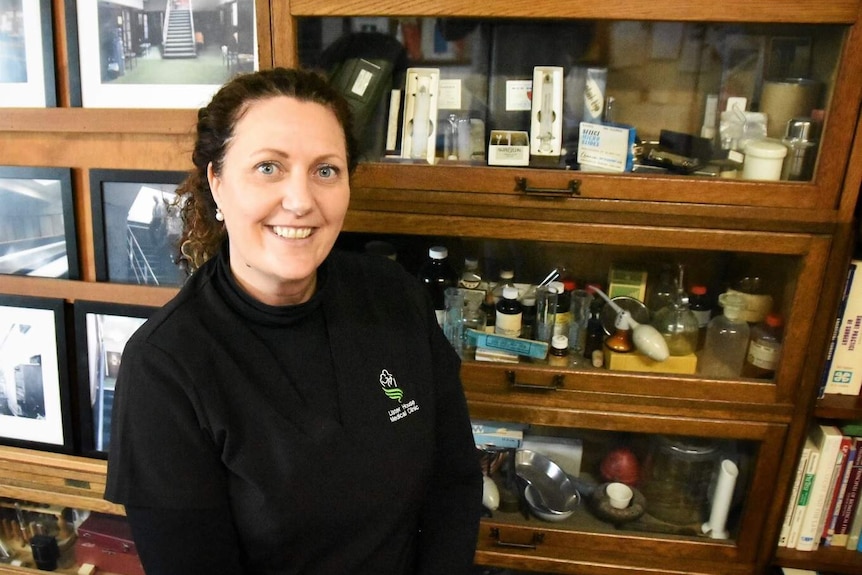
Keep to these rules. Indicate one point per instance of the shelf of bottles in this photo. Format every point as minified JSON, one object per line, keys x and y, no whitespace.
{"x":708,"y":100}
{"x":682,"y":294}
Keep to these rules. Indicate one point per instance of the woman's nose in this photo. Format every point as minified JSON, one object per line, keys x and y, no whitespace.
{"x":297,"y":197}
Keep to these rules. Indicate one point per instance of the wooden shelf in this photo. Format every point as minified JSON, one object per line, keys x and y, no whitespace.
{"x":839,"y":407}
{"x":825,"y":560}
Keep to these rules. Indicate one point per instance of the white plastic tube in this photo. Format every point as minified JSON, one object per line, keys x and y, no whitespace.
{"x":715,"y":527}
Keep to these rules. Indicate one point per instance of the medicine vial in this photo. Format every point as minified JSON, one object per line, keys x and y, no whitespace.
{"x":764,"y":349}
{"x":559,"y":352}
{"x":437,"y":274}
{"x":509,"y":313}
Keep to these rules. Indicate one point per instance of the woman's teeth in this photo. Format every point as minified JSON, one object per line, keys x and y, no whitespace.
{"x":291,"y":233}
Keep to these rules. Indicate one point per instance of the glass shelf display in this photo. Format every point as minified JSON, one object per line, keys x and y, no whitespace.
{"x":743,"y":101}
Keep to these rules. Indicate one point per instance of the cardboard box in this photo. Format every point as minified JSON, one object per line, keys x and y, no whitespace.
{"x":636,"y":361}
{"x":627,"y":281}
{"x":497,"y":434}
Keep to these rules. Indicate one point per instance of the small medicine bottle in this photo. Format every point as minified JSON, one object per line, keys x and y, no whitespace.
{"x":701,"y":306}
{"x":437,"y":274}
{"x":764,"y":348}
{"x":507,"y":279}
{"x":509,"y":313}
{"x":471,"y":277}
{"x":558,"y":356}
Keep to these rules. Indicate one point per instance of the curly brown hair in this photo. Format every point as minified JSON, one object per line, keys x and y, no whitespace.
{"x":202,"y":233}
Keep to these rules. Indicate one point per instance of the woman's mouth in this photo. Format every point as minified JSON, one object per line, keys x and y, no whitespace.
{"x":291,"y":233}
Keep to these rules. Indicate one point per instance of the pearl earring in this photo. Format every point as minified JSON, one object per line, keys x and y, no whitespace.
{"x":219,"y":216}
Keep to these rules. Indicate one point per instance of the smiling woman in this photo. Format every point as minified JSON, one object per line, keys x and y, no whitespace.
{"x":278,"y":363}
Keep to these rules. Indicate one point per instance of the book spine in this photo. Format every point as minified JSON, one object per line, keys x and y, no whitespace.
{"x":794,"y":495}
{"x":836,"y":494}
{"x":836,"y":329}
{"x":829,"y":441}
{"x":804,"y":496}
{"x":851,"y":500}
{"x":845,"y":370}
{"x":854,"y":538}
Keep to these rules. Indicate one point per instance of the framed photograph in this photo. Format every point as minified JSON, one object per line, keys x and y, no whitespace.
{"x":168,"y":54}
{"x":34,"y":376}
{"x":101,"y":332}
{"x":26,"y":54}
{"x":137,"y":226}
{"x":37,"y":222}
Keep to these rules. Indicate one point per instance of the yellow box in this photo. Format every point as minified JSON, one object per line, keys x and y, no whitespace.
{"x":636,"y":361}
{"x":627,"y":281}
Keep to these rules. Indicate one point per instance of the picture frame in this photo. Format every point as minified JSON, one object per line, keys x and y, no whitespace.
{"x":136,"y":226}
{"x":101,"y":332}
{"x":35,"y":393}
{"x":37,"y":222}
{"x":27,"y":55}
{"x":126,"y":59}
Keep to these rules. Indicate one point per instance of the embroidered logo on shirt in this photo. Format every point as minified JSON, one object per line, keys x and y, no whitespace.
{"x":395,"y":393}
{"x":390,"y":386}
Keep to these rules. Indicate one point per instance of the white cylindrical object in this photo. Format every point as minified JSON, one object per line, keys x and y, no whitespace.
{"x":421,"y":111}
{"x":763,"y":160}
{"x":620,"y":495}
{"x":724,"y":487}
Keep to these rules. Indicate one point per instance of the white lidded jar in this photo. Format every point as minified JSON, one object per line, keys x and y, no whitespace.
{"x":764,"y":159}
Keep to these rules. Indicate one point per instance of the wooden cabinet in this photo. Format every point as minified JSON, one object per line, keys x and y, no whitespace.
{"x":793,"y":233}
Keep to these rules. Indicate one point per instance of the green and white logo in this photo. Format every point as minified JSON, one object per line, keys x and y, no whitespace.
{"x":390,"y":386}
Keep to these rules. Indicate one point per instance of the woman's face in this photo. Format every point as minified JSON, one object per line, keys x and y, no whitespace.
{"x":284,"y":191}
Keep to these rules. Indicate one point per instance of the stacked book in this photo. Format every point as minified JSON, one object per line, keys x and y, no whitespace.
{"x":842,"y":373}
{"x":824,"y":507}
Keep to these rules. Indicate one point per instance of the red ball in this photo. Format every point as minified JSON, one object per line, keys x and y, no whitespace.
{"x":621,"y":465}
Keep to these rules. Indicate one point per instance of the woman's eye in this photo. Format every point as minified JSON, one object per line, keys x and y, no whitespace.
{"x":266,"y":169}
{"x":327,"y":171}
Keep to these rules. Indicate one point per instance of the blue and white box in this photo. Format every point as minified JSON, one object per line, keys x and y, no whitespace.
{"x":606,"y":147}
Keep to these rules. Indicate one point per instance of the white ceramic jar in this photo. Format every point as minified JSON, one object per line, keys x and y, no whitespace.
{"x":763,"y":160}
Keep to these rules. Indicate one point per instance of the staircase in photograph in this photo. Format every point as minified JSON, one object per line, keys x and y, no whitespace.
{"x":179,"y":34}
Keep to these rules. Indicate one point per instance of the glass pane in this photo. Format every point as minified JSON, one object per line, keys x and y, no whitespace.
{"x":683,"y":294}
{"x":712,"y":100}
{"x":610,"y":481}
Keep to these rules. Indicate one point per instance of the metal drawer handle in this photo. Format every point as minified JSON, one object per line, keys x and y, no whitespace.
{"x":537,"y":539}
{"x":573,"y":189}
{"x":556,"y":382}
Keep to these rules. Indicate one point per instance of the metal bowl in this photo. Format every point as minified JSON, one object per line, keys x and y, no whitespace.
{"x":551,"y":488}
{"x":540,"y":511}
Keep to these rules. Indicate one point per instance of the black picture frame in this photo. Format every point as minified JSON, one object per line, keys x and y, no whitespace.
{"x":27,"y":56}
{"x":35,"y":408}
{"x":101,"y":332}
{"x":37,"y":222}
{"x":136,"y":226}
{"x":123,"y":59}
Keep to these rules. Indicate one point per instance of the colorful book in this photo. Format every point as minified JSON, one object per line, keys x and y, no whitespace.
{"x":801,"y":467}
{"x":828,"y":440}
{"x":851,"y":499}
{"x":836,"y":329}
{"x":835,"y":491}
{"x":844,"y":375}
{"x":854,"y":539}
{"x":804,"y":493}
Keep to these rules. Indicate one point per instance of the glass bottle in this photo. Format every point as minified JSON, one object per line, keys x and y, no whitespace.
{"x":726,"y":340}
{"x":595,"y":332}
{"x":662,"y":292}
{"x":764,"y":348}
{"x":507,"y":279}
{"x":437,"y":274}
{"x":563,"y":316}
{"x":471,"y":277}
{"x":528,"y":318}
{"x":559,"y":351}
{"x":509,"y":313}
{"x":677,"y":323}
{"x":473,"y":318}
{"x":701,"y":306}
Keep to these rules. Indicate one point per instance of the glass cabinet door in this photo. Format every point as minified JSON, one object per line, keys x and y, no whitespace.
{"x":603,"y":494}
{"x":771,"y":276}
{"x":654,"y":101}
